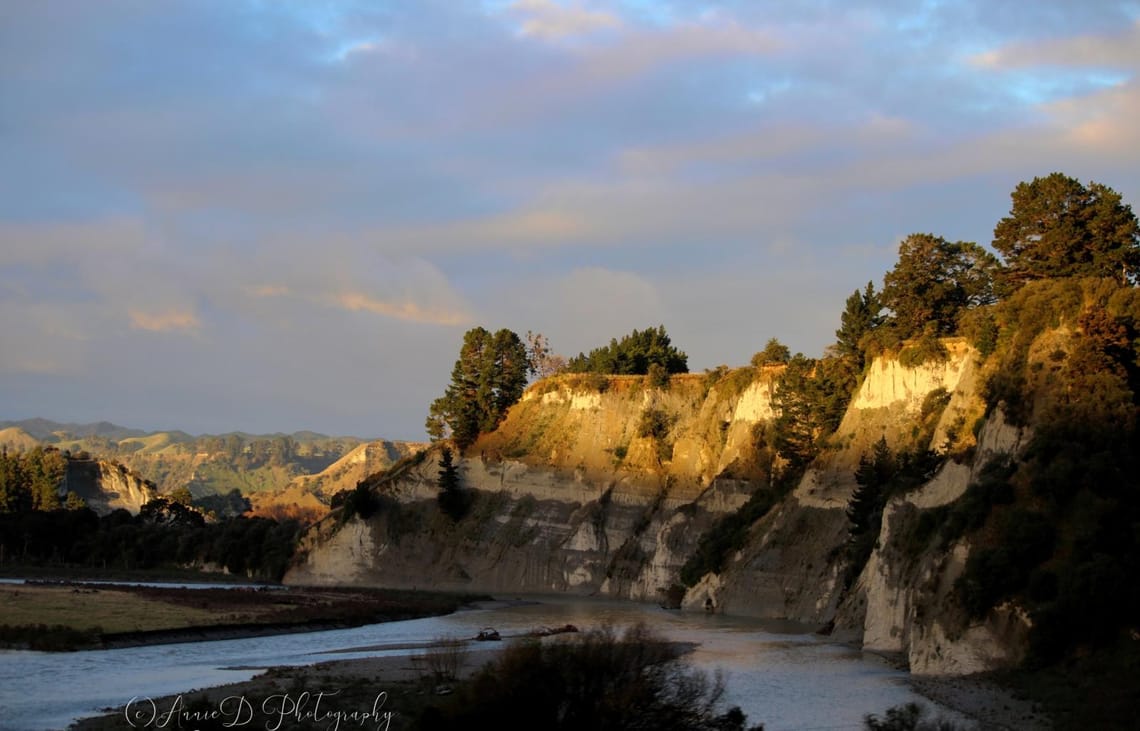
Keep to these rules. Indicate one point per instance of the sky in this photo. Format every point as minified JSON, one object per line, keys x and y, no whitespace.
{"x":267,"y":216}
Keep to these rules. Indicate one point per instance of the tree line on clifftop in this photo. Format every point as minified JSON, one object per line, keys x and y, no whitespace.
{"x":1058,"y":228}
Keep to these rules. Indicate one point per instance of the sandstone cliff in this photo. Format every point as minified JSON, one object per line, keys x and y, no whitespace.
{"x":106,"y":486}
{"x":574,"y":493}
{"x":571,"y":493}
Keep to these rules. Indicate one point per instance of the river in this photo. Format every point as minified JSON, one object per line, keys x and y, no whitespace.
{"x":786,"y":680}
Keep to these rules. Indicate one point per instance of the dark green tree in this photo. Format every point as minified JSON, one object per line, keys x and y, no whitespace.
{"x":488,"y":378}
{"x":632,"y":355}
{"x":861,"y":315}
{"x":797,"y":426}
{"x":448,"y":472}
{"x":874,"y":473}
{"x":14,"y":494}
{"x":452,"y":499}
{"x":507,"y":373}
{"x":810,"y":399}
{"x":935,"y":281}
{"x":44,"y":470}
{"x":1058,"y":227}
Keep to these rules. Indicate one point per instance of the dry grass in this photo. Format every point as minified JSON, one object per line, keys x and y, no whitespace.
{"x":109,"y":609}
{"x":73,"y":616}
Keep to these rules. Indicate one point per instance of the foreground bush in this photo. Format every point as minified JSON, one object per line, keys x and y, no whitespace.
{"x":597,"y":680}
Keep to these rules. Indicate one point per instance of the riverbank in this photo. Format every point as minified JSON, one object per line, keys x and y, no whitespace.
{"x":407,"y":684}
{"x":992,"y":706}
{"x":360,"y":692}
{"x":66,"y":616}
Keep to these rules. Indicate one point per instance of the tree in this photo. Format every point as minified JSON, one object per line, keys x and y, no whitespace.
{"x":1057,"y":227}
{"x":632,"y":355}
{"x":796,"y":426}
{"x":540,"y":360}
{"x":862,"y":314}
{"x":875,"y":471}
{"x":45,"y":469}
{"x":774,"y":352}
{"x":935,"y":281}
{"x":506,"y":371}
{"x":488,"y":378}
{"x":452,"y":500}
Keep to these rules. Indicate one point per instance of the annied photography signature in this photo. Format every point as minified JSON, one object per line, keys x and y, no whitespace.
{"x":278,"y":712}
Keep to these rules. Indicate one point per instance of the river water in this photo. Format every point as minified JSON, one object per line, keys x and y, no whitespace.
{"x":785,"y":680}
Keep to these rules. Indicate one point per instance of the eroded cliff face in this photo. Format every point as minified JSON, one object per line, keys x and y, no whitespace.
{"x":571,"y":494}
{"x":904,"y":603}
{"x":106,"y":486}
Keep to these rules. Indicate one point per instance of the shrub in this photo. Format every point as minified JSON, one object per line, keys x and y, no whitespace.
{"x":596,"y":680}
{"x":443,"y":659}
{"x":927,"y":349}
{"x":654,"y":423}
{"x":657,"y":376}
{"x":909,"y":717}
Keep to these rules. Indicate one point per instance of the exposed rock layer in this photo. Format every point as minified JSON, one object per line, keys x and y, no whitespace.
{"x":572,"y":494}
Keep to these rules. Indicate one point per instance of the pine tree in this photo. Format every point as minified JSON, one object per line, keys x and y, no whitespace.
{"x":488,"y":378}
{"x":632,"y":355}
{"x":452,"y":499}
{"x":862,"y":314}
{"x":873,"y":476}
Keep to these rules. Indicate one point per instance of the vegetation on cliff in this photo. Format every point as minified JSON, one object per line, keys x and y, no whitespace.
{"x":1058,"y":227}
{"x":633,"y":355}
{"x":1056,"y":527}
{"x":488,"y":378}
{"x":1068,"y":546}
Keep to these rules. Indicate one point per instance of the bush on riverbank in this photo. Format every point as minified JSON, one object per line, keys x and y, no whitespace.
{"x":597,"y":680}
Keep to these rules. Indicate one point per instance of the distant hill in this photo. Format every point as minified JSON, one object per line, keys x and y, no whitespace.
{"x":47,"y":431}
{"x":302,"y":469}
{"x":16,"y":439}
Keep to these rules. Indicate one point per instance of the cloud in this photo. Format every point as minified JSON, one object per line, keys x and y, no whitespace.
{"x":405,"y":310}
{"x":57,"y":243}
{"x":47,"y":336}
{"x":164,"y":321}
{"x":269,"y":290}
{"x":1103,"y":122}
{"x":579,"y":309}
{"x":553,"y":21}
{"x":365,"y":179}
{"x":1112,"y":50}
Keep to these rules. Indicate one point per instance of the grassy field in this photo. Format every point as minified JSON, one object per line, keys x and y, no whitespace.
{"x":84,"y":608}
{"x":77,"y":616}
